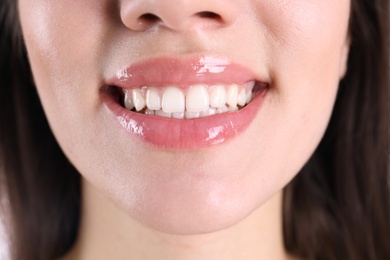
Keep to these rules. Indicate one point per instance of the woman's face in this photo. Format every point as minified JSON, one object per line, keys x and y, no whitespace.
{"x":187,"y":176}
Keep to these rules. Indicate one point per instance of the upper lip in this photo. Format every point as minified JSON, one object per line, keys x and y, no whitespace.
{"x":183,"y":72}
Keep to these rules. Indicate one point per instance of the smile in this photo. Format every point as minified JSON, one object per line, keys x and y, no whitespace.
{"x":184,"y":104}
{"x":197,"y":101}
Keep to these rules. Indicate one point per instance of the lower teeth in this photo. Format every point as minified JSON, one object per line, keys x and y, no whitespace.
{"x":189,"y":115}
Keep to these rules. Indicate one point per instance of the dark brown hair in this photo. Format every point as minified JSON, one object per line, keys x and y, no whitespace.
{"x":337,"y":207}
{"x":42,"y":187}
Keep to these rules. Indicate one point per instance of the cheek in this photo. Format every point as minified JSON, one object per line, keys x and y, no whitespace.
{"x":307,"y":46}
{"x":62,"y":49}
{"x":307,"y":33}
{"x":63,"y":39}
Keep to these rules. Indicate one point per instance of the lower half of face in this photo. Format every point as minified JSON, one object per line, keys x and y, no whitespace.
{"x":110,"y":74}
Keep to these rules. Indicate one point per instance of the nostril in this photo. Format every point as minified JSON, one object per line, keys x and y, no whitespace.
{"x":144,"y":15}
{"x":149,"y":19}
{"x":210,"y":15}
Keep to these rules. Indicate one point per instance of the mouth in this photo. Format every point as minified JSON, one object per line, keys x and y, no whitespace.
{"x":184,"y":104}
{"x":196,"y":101}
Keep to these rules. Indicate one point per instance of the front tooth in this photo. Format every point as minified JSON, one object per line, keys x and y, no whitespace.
{"x":209,"y":112}
{"x":218,"y":97}
{"x":222,"y":110}
{"x":173,"y":100}
{"x":179,"y":115}
{"x":129,"y":104}
{"x":149,"y":112}
{"x":190,"y":115}
{"x":197,"y":99}
{"x":232,"y":96}
{"x":138,"y":99}
{"x":162,"y":113}
{"x":241,"y":98}
{"x":232,"y":108}
{"x":153,"y":100}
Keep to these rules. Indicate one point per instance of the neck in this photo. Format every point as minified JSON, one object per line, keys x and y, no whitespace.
{"x":259,"y":236}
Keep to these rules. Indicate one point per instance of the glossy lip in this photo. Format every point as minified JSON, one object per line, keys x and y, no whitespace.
{"x":182,"y":72}
{"x":188,"y":134}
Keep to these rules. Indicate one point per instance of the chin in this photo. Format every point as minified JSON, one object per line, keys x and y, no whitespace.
{"x":191,"y":205}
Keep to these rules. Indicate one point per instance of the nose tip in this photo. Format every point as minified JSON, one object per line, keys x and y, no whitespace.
{"x":177,"y":15}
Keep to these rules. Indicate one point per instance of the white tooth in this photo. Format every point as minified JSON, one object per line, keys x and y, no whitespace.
{"x":153,"y":100}
{"x":173,"y":100}
{"x":232,"y":95}
{"x":162,"y":113}
{"x":192,"y":114}
{"x":241,"y":98}
{"x":179,"y":115}
{"x":138,"y":99}
{"x":232,"y":108}
{"x":129,"y":105}
{"x":218,"y":96}
{"x":222,"y":110}
{"x":249,"y":85}
{"x":149,"y":112}
{"x":209,"y":112}
{"x":197,"y":99}
{"x":248,"y":97}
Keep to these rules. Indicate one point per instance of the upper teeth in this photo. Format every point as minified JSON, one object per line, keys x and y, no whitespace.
{"x":198,"y":101}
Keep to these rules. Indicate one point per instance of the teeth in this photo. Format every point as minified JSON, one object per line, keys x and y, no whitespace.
{"x":232,"y":96}
{"x":209,"y":112}
{"x":241,"y":100}
{"x":218,"y":96}
{"x":129,"y":104}
{"x":153,"y":101}
{"x":138,"y":99}
{"x":222,"y":110}
{"x":179,"y":115}
{"x":192,"y":115}
{"x":162,"y":113}
{"x":199,"y":101}
{"x":248,"y":97}
{"x":149,"y":112}
{"x":173,"y":100}
{"x":232,"y":108}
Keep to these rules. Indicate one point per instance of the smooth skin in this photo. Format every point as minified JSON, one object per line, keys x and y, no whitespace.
{"x":222,"y":202}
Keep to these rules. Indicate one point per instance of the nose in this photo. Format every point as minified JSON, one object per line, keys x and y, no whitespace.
{"x":178,"y":15}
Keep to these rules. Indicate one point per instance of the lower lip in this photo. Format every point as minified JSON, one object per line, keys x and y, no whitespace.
{"x":187,"y":134}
